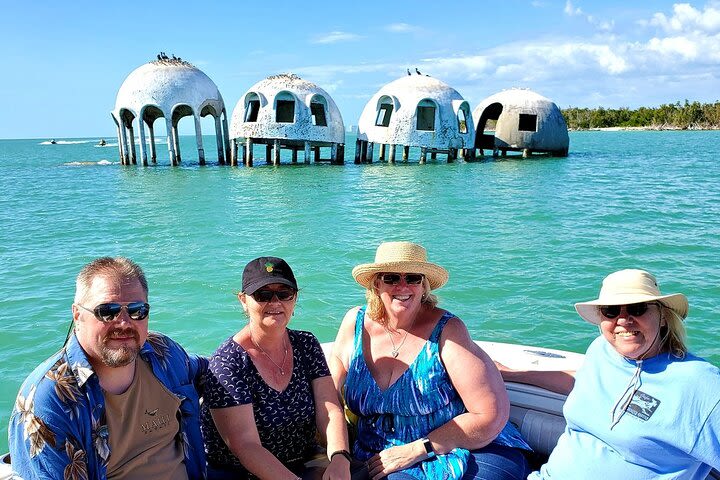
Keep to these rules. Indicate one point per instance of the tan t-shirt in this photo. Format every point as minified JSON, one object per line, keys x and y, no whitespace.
{"x":144,"y":430}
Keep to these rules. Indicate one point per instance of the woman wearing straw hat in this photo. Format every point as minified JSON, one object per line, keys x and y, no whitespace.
{"x":269,"y":391}
{"x":429,"y":402}
{"x":642,"y":406}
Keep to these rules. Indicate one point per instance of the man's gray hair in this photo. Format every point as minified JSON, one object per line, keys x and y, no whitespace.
{"x":118,"y":267}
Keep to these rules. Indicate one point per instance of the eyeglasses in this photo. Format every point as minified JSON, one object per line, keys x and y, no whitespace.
{"x":107,"y":312}
{"x":394,"y":278}
{"x":634,"y":309}
{"x":264,"y":296}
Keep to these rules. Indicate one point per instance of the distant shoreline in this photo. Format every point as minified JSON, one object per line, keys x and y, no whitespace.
{"x":662,"y":128}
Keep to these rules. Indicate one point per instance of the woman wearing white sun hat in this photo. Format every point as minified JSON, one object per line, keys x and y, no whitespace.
{"x":430,"y":403}
{"x":642,"y":406}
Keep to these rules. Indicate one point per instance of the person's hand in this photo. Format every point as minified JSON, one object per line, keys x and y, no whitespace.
{"x":339,"y":469}
{"x":393,"y":459}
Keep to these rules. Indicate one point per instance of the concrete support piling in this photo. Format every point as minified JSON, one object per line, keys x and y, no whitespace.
{"x":423,"y":155}
{"x":268,"y":153}
{"x":381,"y":156}
{"x":391,"y":156}
{"x":131,"y":134}
{"x":406,"y":153}
{"x":248,"y":152}
{"x":306,"y":155}
{"x":199,"y":140}
{"x":276,"y":152}
{"x":153,"y":147}
{"x":316,"y":154}
{"x":219,"y":144}
{"x":370,"y":148}
{"x":357,"y":151}
{"x":143,"y":152}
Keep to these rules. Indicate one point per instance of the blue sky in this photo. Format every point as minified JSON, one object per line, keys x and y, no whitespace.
{"x":63,"y":62}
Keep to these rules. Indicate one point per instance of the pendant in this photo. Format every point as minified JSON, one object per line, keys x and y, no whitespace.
{"x":394,"y":353}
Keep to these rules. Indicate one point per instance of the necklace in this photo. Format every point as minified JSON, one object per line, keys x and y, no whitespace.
{"x":396,"y":350}
{"x":280,"y":367}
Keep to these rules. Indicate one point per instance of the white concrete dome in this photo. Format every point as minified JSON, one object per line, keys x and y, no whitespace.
{"x":167,"y":85}
{"x":525,"y":120}
{"x":417,"y":111}
{"x":290,"y":109}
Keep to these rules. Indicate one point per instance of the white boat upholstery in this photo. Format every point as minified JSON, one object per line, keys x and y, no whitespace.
{"x":538,"y":415}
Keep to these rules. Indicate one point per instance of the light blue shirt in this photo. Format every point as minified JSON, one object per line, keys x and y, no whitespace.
{"x":671,"y":430}
{"x":57,"y":428}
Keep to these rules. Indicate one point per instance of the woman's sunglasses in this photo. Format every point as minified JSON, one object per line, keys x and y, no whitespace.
{"x":634,"y":309}
{"x":107,"y":312}
{"x":264,"y":296}
{"x":394,"y":278}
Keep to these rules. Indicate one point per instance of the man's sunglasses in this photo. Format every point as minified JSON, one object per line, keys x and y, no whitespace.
{"x":394,"y":278}
{"x":107,"y":312}
{"x":264,"y":296}
{"x":634,"y":309}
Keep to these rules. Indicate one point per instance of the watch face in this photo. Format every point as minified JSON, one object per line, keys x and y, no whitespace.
{"x":428,"y":447}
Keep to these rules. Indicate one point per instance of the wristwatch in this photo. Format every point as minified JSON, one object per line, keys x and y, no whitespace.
{"x":428,"y":447}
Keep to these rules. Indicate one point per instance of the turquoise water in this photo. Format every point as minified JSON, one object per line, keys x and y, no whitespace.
{"x":522,"y":239}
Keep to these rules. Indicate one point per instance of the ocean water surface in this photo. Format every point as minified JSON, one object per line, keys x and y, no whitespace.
{"x":522,"y":239}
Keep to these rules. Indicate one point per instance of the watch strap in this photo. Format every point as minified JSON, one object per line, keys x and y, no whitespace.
{"x":428,"y":447}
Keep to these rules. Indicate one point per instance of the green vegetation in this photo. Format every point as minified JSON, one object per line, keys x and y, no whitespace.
{"x":677,"y":116}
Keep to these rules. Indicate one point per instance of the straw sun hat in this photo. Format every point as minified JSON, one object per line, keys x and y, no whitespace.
{"x":626,"y":287}
{"x":401,"y":257}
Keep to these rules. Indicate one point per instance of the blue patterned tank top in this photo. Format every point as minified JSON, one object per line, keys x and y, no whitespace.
{"x":420,"y":401}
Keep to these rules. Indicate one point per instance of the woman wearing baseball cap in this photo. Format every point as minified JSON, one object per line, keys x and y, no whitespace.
{"x":269,"y":390}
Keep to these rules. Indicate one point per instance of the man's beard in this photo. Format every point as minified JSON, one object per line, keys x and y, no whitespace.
{"x":123,"y":355}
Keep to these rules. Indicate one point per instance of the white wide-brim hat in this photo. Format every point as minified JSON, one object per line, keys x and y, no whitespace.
{"x":626,"y":287}
{"x":401,"y":257}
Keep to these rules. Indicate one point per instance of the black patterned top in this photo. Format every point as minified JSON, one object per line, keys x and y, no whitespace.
{"x":285,"y":420}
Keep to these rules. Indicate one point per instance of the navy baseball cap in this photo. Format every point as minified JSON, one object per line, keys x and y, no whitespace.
{"x":265,"y":271}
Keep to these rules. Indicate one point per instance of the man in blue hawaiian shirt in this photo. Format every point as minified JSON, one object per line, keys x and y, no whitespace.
{"x":117,"y":401}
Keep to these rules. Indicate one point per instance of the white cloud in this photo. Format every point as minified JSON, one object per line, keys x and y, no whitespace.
{"x":686,"y":18}
{"x":571,"y":10}
{"x":336,"y":36}
{"x":401,"y":28}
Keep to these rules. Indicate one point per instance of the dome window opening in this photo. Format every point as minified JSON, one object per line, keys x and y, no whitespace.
{"x":285,"y":108}
{"x":317,"y":110}
{"x":426,"y":116}
{"x":527,"y":122}
{"x":462,"y":121}
{"x":252,"y":108}
{"x":384,"y":114}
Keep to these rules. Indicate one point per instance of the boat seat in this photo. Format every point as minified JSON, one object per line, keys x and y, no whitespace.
{"x":537,"y":413}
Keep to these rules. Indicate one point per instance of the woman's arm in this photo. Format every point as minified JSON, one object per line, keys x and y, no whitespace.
{"x":560,"y":381}
{"x":330,"y":421}
{"x":481,"y":388}
{"x":339,"y":360}
{"x":237,"y":428}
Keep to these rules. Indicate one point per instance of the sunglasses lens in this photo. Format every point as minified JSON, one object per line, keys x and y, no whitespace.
{"x":610,"y":311}
{"x":285,"y":295}
{"x":634,"y":309}
{"x":390,"y":278}
{"x":106,"y":312}
{"x":637,"y":309}
{"x":264,"y":296}
{"x":413,"y":278}
{"x":138,"y":310}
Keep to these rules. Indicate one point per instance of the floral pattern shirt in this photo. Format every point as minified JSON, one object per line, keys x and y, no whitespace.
{"x":58,"y":429}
